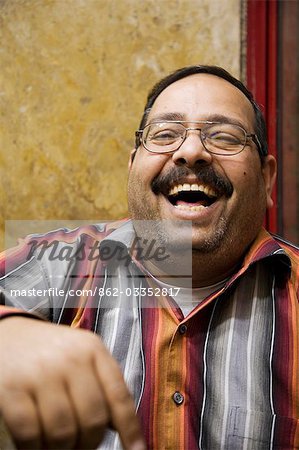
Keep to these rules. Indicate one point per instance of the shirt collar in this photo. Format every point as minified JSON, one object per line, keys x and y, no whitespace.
{"x":263,"y":247}
{"x":124,"y":234}
{"x":118,"y":242}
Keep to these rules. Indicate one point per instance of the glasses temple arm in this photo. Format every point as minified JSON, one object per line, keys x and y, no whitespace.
{"x":257,"y":143}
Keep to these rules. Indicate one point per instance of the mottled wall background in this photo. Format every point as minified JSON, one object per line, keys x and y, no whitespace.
{"x":74,"y":75}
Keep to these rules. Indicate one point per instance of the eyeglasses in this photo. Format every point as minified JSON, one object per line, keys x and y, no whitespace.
{"x":218,"y":138}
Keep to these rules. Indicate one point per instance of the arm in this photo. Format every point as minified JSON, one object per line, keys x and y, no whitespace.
{"x":60,"y":388}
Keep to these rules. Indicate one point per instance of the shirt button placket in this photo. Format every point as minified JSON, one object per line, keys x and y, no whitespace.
{"x":183,"y":328}
{"x":178,"y":398}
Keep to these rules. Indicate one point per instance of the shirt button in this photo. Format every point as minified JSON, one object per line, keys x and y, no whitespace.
{"x":183,"y":328}
{"x":178,"y":398}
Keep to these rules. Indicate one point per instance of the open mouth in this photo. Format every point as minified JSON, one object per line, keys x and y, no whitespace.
{"x":191,"y":197}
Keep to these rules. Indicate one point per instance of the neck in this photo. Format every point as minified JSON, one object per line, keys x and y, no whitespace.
{"x":200,"y":270}
{"x":207,"y":271}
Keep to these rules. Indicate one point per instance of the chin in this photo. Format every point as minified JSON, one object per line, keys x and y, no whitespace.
{"x":210,"y":241}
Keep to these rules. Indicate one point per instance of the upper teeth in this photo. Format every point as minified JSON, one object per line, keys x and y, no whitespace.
{"x":192,"y":187}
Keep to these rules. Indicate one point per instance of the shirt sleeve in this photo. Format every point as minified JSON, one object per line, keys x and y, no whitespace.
{"x":32,"y":281}
{"x":52,"y":276}
{"x":6,"y":311}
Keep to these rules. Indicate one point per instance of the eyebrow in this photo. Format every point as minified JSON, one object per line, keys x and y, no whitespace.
{"x":212,"y":118}
{"x":167,"y":116}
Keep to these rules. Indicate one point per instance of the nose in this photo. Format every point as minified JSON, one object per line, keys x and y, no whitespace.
{"x":192,"y":151}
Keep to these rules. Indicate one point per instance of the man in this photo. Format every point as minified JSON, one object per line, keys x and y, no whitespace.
{"x":212,"y":364}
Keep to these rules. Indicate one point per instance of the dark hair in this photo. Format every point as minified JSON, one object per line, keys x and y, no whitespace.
{"x":260,"y":125}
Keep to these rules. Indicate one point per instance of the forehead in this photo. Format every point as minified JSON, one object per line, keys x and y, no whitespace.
{"x":202,"y":96}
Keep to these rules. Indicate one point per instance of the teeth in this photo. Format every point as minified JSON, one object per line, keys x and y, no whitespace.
{"x":190,"y":208}
{"x":193,"y":187}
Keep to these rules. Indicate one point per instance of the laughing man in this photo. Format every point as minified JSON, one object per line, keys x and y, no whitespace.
{"x":201,"y":337}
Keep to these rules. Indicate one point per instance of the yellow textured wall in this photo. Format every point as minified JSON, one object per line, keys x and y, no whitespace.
{"x":74,"y":75}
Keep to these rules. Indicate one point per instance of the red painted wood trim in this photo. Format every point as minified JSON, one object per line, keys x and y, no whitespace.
{"x":262,"y":16}
{"x":256,"y":50}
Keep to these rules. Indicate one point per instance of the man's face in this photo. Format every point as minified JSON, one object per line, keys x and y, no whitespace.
{"x":236,"y":188}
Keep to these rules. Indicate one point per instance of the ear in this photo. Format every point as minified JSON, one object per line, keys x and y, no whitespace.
{"x":132,"y":156}
{"x":269,"y":173}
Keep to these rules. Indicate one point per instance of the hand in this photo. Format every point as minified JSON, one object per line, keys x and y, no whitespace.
{"x":60,"y":388}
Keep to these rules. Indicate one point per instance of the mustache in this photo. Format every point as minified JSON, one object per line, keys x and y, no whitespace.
{"x":207,"y":175}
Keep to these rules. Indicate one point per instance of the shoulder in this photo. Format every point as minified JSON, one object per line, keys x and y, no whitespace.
{"x":97,"y":231}
{"x":61,"y":243}
{"x":292,"y":251}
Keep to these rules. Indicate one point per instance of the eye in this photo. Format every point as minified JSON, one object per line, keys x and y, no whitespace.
{"x":163,"y":135}
{"x":222,"y":137}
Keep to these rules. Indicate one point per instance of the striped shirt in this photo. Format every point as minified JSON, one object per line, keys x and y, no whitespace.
{"x":224,"y":377}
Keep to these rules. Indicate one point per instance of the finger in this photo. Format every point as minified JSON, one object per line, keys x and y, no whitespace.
{"x":20,"y":414}
{"x":57,"y":415}
{"x":89,"y":406}
{"x":120,"y":402}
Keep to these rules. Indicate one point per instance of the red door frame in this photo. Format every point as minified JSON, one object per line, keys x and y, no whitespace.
{"x":262,"y":60}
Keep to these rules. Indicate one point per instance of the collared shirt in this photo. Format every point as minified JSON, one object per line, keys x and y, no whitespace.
{"x":224,"y":377}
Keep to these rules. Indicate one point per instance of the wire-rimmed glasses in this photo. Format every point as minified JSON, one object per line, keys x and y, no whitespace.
{"x":216,"y":137}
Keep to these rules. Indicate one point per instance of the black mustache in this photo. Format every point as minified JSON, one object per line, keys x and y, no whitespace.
{"x":206,"y":175}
